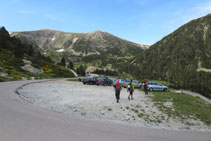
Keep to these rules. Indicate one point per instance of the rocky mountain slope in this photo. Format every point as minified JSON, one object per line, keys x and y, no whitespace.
{"x":182,"y":58}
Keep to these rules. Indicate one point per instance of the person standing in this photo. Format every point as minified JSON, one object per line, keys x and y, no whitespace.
{"x":131,"y":90}
{"x":118,"y":88}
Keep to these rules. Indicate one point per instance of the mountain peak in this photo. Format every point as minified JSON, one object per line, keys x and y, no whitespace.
{"x":98,"y":31}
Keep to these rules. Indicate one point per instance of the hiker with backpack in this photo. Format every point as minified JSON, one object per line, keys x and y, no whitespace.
{"x":118,"y":88}
{"x":131,"y":90}
{"x":146,"y":83}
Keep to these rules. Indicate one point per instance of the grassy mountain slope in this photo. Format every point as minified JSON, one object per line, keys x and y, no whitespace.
{"x":182,"y":58}
{"x":96,"y":48}
{"x":14,"y":55}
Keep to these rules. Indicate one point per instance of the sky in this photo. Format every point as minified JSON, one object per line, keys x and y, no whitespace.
{"x":139,"y":21}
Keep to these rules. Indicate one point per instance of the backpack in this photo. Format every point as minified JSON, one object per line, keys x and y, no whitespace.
{"x":117,"y":85}
{"x":146,"y":84}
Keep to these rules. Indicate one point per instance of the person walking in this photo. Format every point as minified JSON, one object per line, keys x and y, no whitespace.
{"x":118,"y":88}
{"x":131,"y":90}
{"x":146,"y":83}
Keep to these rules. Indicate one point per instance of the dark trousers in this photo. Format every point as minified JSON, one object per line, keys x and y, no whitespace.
{"x":145,"y":90}
{"x":117,"y":94}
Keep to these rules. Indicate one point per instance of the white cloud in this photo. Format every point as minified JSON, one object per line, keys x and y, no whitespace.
{"x":203,"y":9}
{"x":183,"y":16}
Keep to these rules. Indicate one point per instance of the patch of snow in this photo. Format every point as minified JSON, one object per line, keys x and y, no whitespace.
{"x":60,"y":50}
{"x":53,"y":38}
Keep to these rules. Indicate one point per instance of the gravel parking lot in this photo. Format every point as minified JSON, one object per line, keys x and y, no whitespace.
{"x":98,"y":102}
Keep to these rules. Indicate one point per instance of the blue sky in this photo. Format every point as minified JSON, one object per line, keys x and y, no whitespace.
{"x":139,"y":21}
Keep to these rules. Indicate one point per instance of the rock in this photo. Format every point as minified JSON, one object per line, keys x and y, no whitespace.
{"x":127,"y":118}
{"x":74,"y":110}
{"x":102,"y":112}
{"x":24,"y":78}
{"x":32,"y":69}
{"x":83,"y":113}
{"x":3,"y":74}
{"x":27,"y":61}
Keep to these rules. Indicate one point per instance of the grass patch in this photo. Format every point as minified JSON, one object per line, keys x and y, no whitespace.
{"x":184,"y":106}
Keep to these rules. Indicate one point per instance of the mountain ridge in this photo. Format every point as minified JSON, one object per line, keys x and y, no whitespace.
{"x":93,"y":48}
{"x":183,"y":58}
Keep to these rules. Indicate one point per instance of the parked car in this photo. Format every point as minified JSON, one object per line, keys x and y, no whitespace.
{"x":89,"y":80}
{"x":137,"y":84}
{"x":125,"y":83}
{"x":154,"y":86}
{"x":121,"y":81}
{"x":104,"y":81}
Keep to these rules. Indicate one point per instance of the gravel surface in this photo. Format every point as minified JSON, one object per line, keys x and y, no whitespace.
{"x":98,"y":102}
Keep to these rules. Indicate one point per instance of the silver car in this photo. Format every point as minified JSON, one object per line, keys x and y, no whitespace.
{"x":137,"y":84}
{"x":125,"y":83}
{"x":121,"y":81}
{"x":154,"y":86}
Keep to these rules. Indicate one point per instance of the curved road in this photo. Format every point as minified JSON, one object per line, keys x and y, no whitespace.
{"x":21,"y":121}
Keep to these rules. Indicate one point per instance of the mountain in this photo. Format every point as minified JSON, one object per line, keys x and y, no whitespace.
{"x":182,"y":58}
{"x":22,"y":61}
{"x":96,"y":48}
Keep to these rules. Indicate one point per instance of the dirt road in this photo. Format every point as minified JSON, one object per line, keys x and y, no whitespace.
{"x":22,"y":121}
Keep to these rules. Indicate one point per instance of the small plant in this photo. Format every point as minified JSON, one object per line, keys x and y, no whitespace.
{"x":10,"y":67}
{"x":109,"y":109}
{"x":127,"y":108}
{"x":137,"y":106}
{"x":140,"y":115}
{"x":17,"y":77}
{"x":135,"y":110}
{"x":142,"y":110}
{"x":46,"y":69}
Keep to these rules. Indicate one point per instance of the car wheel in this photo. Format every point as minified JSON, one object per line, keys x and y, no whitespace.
{"x":165,"y":90}
{"x":150,"y":89}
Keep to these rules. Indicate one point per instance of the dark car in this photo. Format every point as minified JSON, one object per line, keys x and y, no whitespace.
{"x":90,"y":81}
{"x":104,"y":81}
